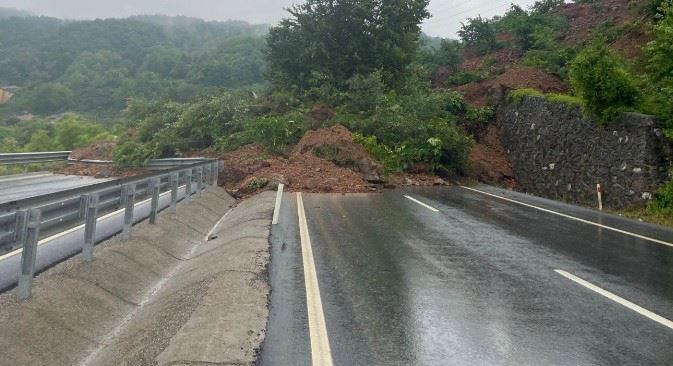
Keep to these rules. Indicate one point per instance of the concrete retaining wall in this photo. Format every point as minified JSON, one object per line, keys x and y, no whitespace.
{"x":557,"y":153}
{"x":166,"y":297}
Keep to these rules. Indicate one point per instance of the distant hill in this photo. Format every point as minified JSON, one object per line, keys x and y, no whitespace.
{"x":11,"y":12}
{"x":94,"y":67}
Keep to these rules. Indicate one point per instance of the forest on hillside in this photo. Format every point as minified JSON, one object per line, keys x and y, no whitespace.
{"x":94,"y":67}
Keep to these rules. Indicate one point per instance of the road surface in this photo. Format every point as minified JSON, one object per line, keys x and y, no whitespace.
{"x":453,"y":276}
{"x":16,"y":187}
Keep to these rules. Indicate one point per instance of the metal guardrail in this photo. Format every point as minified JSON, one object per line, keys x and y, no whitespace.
{"x":23,"y":223}
{"x":44,"y":157}
{"x":33,"y":157}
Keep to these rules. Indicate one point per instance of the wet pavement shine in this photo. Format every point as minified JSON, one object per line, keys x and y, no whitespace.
{"x":472,"y":284}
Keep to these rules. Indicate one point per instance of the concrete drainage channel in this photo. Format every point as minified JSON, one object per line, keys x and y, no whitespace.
{"x":168,"y":296}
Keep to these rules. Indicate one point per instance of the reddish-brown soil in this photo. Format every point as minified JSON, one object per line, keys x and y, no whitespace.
{"x":585,"y":17}
{"x":319,"y":116}
{"x":98,"y":171}
{"x":478,"y":94}
{"x":100,"y":150}
{"x":632,"y":44}
{"x":342,"y":166}
{"x":489,"y":160}
{"x":499,"y":60}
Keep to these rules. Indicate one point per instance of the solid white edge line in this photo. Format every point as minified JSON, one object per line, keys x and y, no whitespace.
{"x":321,"y":354}
{"x":573,"y":218}
{"x":78,"y":227}
{"x":638,"y":309}
{"x":276,"y":209}
{"x":422,"y":204}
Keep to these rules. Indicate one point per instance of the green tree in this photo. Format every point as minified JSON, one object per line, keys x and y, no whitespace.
{"x":73,"y":132}
{"x":41,"y":141}
{"x":603,"y":82}
{"x":478,"y":33}
{"x":326,"y":41}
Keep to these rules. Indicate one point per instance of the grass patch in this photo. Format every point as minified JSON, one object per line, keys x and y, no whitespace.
{"x":517,"y":96}
{"x":646,"y":215}
{"x":564,"y":99}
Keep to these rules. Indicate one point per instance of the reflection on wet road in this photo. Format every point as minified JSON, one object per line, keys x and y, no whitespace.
{"x":476,"y":283}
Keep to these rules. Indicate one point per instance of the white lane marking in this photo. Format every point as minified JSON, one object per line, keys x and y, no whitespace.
{"x":574,"y":218}
{"x":321,"y":353}
{"x":422,"y":204}
{"x":79,"y":227}
{"x":642,"y":311}
{"x":276,"y":209}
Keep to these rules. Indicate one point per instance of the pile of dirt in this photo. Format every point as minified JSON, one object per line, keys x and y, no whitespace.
{"x":99,"y":171}
{"x":517,"y":77}
{"x":489,"y":160}
{"x":325,"y":160}
{"x":99,"y":150}
{"x":319,"y":116}
{"x":584,"y":18}
{"x":336,"y":145}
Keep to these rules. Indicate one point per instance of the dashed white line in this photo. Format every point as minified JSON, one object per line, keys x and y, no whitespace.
{"x":321,"y":354}
{"x":573,"y":218}
{"x":638,"y":309}
{"x":422,"y":204}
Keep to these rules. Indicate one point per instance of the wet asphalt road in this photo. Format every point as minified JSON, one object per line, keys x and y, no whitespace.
{"x":472,"y":284}
{"x":16,"y":187}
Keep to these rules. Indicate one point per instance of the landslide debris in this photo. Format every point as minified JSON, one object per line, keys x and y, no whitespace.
{"x":325,"y":160}
{"x":99,"y":150}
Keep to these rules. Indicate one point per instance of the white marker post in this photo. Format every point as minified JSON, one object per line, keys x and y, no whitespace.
{"x":599,"y":191}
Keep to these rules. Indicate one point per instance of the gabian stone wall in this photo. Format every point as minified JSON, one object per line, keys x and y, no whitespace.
{"x":558,"y":153}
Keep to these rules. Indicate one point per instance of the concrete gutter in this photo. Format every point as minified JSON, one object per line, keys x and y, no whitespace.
{"x":166,"y":297}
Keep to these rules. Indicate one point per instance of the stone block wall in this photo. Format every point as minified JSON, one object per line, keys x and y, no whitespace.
{"x":558,"y":153}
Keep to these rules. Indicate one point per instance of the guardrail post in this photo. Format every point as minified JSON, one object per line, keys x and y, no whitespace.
{"x":174,"y":191}
{"x":90,"y":226}
{"x":128,"y":201}
{"x":199,"y":180}
{"x":154,"y":184}
{"x":206,"y":176}
{"x":31,"y":232}
{"x":188,"y":185}
{"x":216,"y":172}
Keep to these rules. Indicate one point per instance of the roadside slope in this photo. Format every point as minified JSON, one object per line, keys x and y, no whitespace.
{"x":166,"y":297}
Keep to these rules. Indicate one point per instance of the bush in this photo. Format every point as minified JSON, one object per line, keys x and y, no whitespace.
{"x":132,"y":154}
{"x":401,"y":138}
{"x":662,"y":201}
{"x":276,"y":133}
{"x":380,"y":152}
{"x":603,"y":83}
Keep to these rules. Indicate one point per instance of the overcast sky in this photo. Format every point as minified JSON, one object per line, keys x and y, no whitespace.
{"x":447,"y":14}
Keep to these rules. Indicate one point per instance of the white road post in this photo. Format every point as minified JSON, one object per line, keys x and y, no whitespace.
{"x":599,"y":191}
